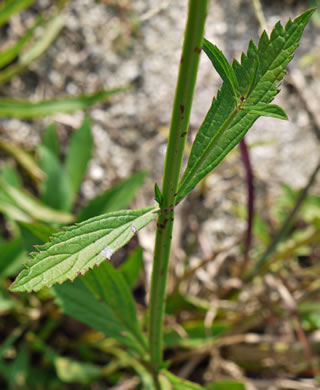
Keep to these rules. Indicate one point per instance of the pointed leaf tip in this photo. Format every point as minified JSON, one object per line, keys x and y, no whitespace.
{"x":80,"y":247}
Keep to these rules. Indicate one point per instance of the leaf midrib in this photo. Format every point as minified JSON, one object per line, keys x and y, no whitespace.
{"x":237,"y":109}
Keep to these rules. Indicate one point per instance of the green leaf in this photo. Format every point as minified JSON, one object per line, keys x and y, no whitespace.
{"x":24,"y":159}
{"x":34,"y":234}
{"x":179,"y":383}
{"x":50,"y":140}
{"x":118,"y":197}
{"x":226,"y":385}
{"x":132,"y":267}
{"x":226,"y":123}
{"x":13,"y":256}
{"x":266,"y":110}
{"x":78,"y":301}
{"x":28,"y":204}
{"x":81,"y":247}
{"x":222,"y":66}
{"x":112,"y":289}
{"x":9,"y":208}
{"x":12,"y":7}
{"x":196,"y":335}
{"x":10,"y":54}
{"x":50,"y":31}
{"x":157,"y":194}
{"x":74,"y":371}
{"x":79,"y":155}
{"x":56,"y":189}
{"x":26,"y":110}
{"x":10,"y":175}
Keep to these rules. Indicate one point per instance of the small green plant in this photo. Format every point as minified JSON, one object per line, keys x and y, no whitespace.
{"x":99,"y":295}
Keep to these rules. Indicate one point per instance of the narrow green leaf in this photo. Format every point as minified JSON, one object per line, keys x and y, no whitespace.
{"x":10,"y":54}
{"x":78,"y":301}
{"x":74,"y":371}
{"x":226,"y":385}
{"x":226,"y":123}
{"x":32,"y":206}
{"x":222,"y":66}
{"x":23,"y":158}
{"x":56,"y":189}
{"x":157,"y":194}
{"x":262,"y":109}
{"x":111,"y":288}
{"x":50,"y":140}
{"x":11,"y":8}
{"x":10,"y":175}
{"x":13,"y":256}
{"x":179,"y":383}
{"x":34,"y":234}
{"x":50,"y":31}
{"x":81,"y":247}
{"x":9,"y":208}
{"x":118,"y":197}
{"x":79,"y":155}
{"x":132,"y":267}
{"x":26,"y":110}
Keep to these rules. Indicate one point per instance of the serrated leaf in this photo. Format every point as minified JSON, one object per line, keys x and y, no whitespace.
{"x":79,"y":155}
{"x":77,"y":300}
{"x":26,"y":110}
{"x":226,"y":123}
{"x":222,"y":66}
{"x":117,"y":198}
{"x":111,"y":288}
{"x":262,"y":109}
{"x":81,"y":247}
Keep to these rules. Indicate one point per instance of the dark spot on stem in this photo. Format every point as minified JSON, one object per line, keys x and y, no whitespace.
{"x":181,"y":60}
{"x":182,"y":108}
{"x":197,"y":50}
{"x":165,"y":222}
{"x":183,"y":134}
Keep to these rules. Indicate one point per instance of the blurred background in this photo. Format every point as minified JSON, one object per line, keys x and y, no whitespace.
{"x":86,"y":89}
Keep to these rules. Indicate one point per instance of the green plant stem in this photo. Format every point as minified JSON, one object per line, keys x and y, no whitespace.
{"x":189,"y":62}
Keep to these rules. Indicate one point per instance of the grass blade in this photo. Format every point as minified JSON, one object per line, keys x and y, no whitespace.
{"x":11,"y":8}
{"x":26,"y":110}
{"x":79,"y":155}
